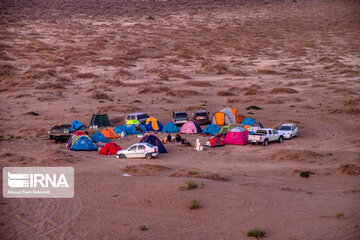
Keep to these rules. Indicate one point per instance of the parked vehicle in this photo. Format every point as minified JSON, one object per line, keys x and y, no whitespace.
{"x":140,"y":117}
{"x":139,"y":150}
{"x":201,"y":117}
{"x":60,"y":133}
{"x":264,"y":136}
{"x":288,"y":130}
{"x":179,"y":118}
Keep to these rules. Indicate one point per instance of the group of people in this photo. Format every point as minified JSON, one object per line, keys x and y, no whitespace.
{"x":176,"y":138}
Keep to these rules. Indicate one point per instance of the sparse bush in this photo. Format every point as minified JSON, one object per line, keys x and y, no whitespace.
{"x":340,"y":215}
{"x":305,"y":174}
{"x":143,"y":228}
{"x":33,"y":113}
{"x":194,"y":204}
{"x":253,"y":107}
{"x":192,"y":172}
{"x":256,"y":232}
{"x":190,"y":184}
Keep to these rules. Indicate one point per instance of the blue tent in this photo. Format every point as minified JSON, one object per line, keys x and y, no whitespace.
{"x":99,"y":137}
{"x":212,"y":129}
{"x":83,"y":144}
{"x":170,"y":128}
{"x":120,"y":129}
{"x":152,"y":124}
{"x":153,"y":140}
{"x":76,"y":125}
{"x":134,"y":129}
{"x":248,"y":121}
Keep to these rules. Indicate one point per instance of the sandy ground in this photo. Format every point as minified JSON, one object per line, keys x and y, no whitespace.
{"x":297,"y":60}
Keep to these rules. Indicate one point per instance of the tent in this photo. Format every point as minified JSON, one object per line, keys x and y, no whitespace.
{"x":225,"y":130}
{"x":120,"y":130}
{"x":155,"y":141}
{"x":258,"y":125}
{"x":226,"y":116}
{"x":110,"y":149}
{"x":212,"y":129}
{"x":83,"y":143}
{"x":247,"y":127}
{"x":76,"y":125}
{"x":77,"y":133}
{"x":237,"y":136}
{"x":132,"y":129}
{"x":109,"y":133}
{"x":214,"y":141}
{"x":152,"y":124}
{"x":190,"y":127}
{"x":100,"y":119}
{"x":99,"y":137}
{"x":170,"y":128}
{"x":248,"y":121}
{"x":132,"y":121}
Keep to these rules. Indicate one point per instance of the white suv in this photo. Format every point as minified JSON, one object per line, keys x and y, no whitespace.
{"x":139,"y":150}
{"x":288,"y":130}
{"x":141,"y":117}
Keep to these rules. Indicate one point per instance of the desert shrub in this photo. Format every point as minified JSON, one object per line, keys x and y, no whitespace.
{"x":192,"y":172}
{"x":143,"y":228}
{"x":340,"y":215}
{"x":256,"y":232}
{"x":283,"y":90}
{"x":253,"y":107}
{"x":190,"y":184}
{"x":305,"y":174}
{"x":199,"y":83}
{"x":33,"y":113}
{"x":349,"y":168}
{"x":194,"y":204}
{"x":182,"y":93}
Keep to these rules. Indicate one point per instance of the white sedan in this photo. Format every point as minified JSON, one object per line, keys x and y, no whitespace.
{"x":288,"y":130}
{"x":139,"y":150}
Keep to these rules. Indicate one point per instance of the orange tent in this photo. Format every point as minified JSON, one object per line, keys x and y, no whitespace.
{"x":109,"y":133}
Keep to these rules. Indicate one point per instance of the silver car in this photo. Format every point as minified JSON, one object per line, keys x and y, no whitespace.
{"x":288,"y":130}
{"x":139,"y":150}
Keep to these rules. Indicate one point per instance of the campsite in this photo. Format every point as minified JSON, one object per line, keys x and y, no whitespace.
{"x":73,"y":71}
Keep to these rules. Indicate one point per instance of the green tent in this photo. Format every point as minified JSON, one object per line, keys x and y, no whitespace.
{"x":100,"y":119}
{"x":133,"y":121}
{"x":225,"y":130}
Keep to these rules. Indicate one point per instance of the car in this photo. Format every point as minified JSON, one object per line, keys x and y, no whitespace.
{"x":140,"y":117}
{"x":139,"y":150}
{"x":60,"y":133}
{"x":288,"y":130}
{"x":179,"y":118}
{"x":264,"y":136}
{"x":201,"y":117}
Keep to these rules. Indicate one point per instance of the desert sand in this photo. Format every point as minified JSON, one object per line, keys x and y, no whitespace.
{"x":297,"y":60}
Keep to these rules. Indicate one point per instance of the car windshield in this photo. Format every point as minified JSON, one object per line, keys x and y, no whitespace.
{"x":285,"y":128}
{"x":201,"y":114}
{"x":181,"y":115}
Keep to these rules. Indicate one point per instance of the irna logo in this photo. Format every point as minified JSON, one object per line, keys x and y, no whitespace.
{"x":21,"y":180}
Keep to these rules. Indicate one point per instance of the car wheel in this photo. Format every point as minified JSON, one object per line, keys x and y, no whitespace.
{"x":291,"y":137}
{"x":58,"y":140}
{"x":266,"y":142}
{"x":252,"y":143}
{"x":122,"y":156}
{"x":280,"y":139}
{"x":148,"y":156}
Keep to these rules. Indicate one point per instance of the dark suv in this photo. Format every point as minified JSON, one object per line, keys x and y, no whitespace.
{"x":201,"y":117}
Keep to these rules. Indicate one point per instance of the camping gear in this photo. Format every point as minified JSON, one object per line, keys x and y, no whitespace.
{"x":76,"y":125}
{"x":83,"y":143}
{"x":212,"y":129}
{"x":132,"y":122}
{"x":121,"y":131}
{"x":152,"y":124}
{"x":225,"y":130}
{"x":71,"y":139}
{"x":132,"y":129}
{"x":170,"y":128}
{"x":237,"y":136}
{"x":248,"y":121}
{"x":215,"y":141}
{"x":198,"y":146}
{"x":99,"y":137}
{"x":99,"y":119}
{"x":247,"y":127}
{"x":226,"y":116}
{"x":155,"y":141}
{"x":110,"y":149}
{"x":109,"y":133}
{"x":190,"y":127}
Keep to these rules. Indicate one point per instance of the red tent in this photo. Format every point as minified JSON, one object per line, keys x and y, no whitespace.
{"x":110,"y":149}
{"x":214,"y":141}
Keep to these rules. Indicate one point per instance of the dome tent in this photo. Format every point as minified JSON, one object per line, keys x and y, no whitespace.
{"x":248,"y":121}
{"x":237,"y":136}
{"x":155,"y":141}
{"x":110,"y":149}
{"x":100,"y":119}
{"x":120,"y":130}
{"x":212,"y":129}
{"x":190,"y":127}
{"x":170,"y":128}
{"x":226,"y":116}
{"x":83,"y":143}
{"x":214,"y":141}
{"x":99,"y":137}
{"x":71,"y":139}
{"x":76,"y":125}
{"x":152,"y":124}
{"x":109,"y":133}
{"x":225,"y":130}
